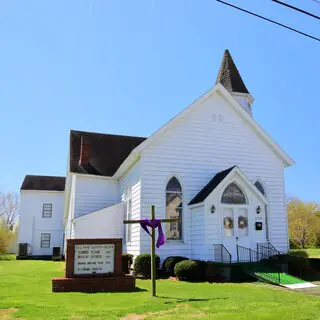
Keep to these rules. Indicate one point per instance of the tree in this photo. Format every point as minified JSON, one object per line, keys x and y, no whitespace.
{"x":304,"y":223}
{"x":7,"y":236}
{"x":9,"y":208}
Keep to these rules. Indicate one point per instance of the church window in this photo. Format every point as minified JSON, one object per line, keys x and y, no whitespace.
{"x":232,"y":194}
{"x":174,"y":209}
{"x":128,"y":213}
{"x":260,"y":187}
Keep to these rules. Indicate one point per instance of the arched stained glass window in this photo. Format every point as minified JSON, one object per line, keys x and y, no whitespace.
{"x":174,"y":209}
{"x":260,"y":187}
{"x":174,"y":185}
{"x":232,"y":194}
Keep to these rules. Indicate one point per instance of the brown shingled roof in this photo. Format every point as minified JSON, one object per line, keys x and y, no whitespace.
{"x":107,"y":152}
{"x":48,"y":183}
{"x":229,"y":75}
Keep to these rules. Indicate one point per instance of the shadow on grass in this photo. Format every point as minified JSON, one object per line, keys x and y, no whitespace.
{"x":183,"y":300}
{"x":300,"y":253}
{"x":137,"y":289}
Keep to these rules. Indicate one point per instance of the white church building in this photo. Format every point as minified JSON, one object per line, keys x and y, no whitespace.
{"x":212,"y":165}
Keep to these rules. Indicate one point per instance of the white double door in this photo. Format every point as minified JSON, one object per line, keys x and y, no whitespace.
{"x":235,"y":228}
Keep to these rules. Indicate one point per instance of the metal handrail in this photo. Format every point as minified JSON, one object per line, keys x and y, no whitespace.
{"x":267,"y":249}
{"x":225,"y":250}
{"x":253,"y":257}
{"x":221,"y":253}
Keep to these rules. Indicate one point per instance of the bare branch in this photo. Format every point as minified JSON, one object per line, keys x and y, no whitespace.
{"x":9,"y":208}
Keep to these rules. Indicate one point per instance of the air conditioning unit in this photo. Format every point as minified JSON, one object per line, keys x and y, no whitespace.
{"x":23,"y":249}
{"x":56,"y":253}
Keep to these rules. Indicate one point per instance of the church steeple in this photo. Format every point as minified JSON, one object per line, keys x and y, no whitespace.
{"x":229,"y":75}
{"x":230,"y":78}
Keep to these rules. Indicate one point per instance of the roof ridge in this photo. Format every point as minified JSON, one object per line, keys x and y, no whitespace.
{"x":106,"y":134}
{"x":43,"y":176}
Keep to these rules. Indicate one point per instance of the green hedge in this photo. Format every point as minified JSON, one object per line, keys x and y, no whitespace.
{"x":127,"y":260}
{"x":169,"y":264}
{"x":187,"y":270}
{"x":202,"y":269}
{"x":142,"y":265}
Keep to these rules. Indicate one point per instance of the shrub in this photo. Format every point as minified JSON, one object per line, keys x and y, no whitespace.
{"x":187,"y":270}
{"x":142,"y":265}
{"x":202,"y":269}
{"x":127,"y":260}
{"x":6,"y":236}
{"x":169,"y":264}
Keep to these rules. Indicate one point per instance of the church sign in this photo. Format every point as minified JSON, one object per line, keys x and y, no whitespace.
{"x":94,"y":259}
{"x":94,"y":265}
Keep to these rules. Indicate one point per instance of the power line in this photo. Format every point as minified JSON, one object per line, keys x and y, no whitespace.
{"x":317,"y":1}
{"x":297,"y":9}
{"x":269,"y":20}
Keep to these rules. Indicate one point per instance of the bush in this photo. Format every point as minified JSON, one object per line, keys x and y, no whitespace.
{"x":211,"y":271}
{"x":169,"y":264}
{"x":127,"y":260}
{"x":142,"y":265}
{"x":6,"y":236}
{"x":187,"y":270}
{"x":202,"y":269}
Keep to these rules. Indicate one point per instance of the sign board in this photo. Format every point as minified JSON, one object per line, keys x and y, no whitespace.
{"x":93,"y":259}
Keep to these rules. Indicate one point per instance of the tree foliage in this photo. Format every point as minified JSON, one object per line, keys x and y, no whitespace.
{"x":7,"y":236}
{"x":9,"y":208}
{"x":304,"y":223}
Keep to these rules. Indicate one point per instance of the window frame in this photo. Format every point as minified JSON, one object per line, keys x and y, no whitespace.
{"x":45,"y":240}
{"x":169,"y":216}
{"x":223,"y":202}
{"x":258,"y":181}
{"x":46,"y":210}
{"x":128,"y":214}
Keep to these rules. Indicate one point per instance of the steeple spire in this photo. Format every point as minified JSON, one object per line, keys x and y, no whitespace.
{"x":229,"y":75}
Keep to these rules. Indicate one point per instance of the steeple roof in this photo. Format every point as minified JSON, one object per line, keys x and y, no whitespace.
{"x":229,"y":75}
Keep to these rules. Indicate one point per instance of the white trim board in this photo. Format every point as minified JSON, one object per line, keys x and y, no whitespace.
{"x":221,"y":91}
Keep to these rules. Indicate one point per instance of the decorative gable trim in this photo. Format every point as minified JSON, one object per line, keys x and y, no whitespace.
{"x":287,"y":160}
{"x":227,"y":178}
{"x":219,"y":89}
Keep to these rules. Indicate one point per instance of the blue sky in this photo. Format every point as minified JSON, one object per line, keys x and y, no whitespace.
{"x":127,"y":67}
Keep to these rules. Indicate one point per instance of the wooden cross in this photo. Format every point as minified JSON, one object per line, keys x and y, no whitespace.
{"x":153,"y":245}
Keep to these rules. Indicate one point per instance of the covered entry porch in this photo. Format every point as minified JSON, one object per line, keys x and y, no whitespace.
{"x":234,"y":211}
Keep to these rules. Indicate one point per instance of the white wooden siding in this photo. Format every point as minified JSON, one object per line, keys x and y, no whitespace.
{"x":94,"y":193}
{"x":104,"y":223}
{"x":69,"y":226}
{"x":199,"y":247}
{"x":210,"y":139}
{"x":32,"y":224}
{"x":132,"y":179}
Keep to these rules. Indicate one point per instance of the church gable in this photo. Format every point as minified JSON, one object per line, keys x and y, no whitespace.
{"x":216,"y":131}
{"x":233,"y":97}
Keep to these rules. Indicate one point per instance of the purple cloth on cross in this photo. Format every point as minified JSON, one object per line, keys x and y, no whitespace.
{"x":145,"y":223}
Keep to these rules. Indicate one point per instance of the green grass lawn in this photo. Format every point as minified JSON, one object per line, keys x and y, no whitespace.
{"x":25,"y":293}
{"x":6,"y":257}
{"x":310,"y":253}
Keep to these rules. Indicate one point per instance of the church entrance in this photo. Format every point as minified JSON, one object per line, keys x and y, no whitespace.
{"x":235,"y":228}
{"x":234,"y":219}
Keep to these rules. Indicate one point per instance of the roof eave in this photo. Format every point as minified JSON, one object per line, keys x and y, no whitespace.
{"x":195,"y":205}
{"x":127,"y":164}
{"x":287,"y":160}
